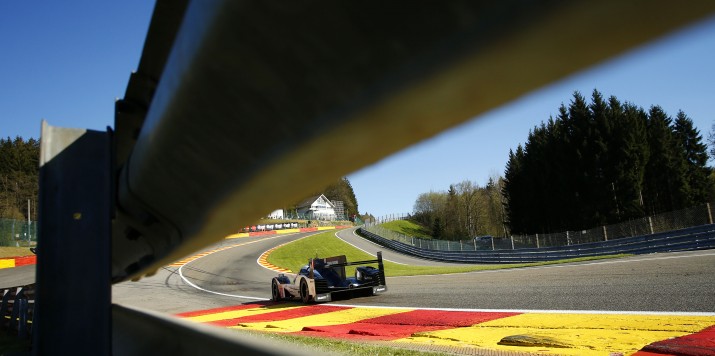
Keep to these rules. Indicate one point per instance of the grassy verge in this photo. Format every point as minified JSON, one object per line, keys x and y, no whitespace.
{"x":408,"y":228}
{"x":296,"y":254}
{"x":338,"y":347}
{"x":7,"y":251}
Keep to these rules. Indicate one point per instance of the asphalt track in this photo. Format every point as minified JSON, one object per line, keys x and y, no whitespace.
{"x":592,"y":308}
{"x":584,"y":308}
{"x":674,"y":282}
{"x":682,"y":282}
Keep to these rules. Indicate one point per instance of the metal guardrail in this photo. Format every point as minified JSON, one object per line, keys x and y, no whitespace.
{"x":17,"y":310}
{"x":665,"y":222}
{"x":695,"y":238}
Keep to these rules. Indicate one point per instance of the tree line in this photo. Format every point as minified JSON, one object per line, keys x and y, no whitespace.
{"x":19,"y":172}
{"x":342,"y":190}
{"x":604,"y":162}
{"x":19,"y":177}
{"x":594,"y":164}
{"x":465,"y":210}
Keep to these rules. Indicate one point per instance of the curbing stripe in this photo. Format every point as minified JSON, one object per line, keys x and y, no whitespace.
{"x":345,"y":316}
{"x":7,"y":263}
{"x":563,"y":334}
{"x":571,"y":334}
{"x":286,"y":231}
{"x":285,"y":313}
{"x":222,"y":309}
{"x":11,"y":262}
{"x":701,"y":344}
{"x":263,"y":261}
{"x":403,"y":325}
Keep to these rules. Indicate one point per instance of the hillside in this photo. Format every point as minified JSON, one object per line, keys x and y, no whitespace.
{"x":407,"y":227}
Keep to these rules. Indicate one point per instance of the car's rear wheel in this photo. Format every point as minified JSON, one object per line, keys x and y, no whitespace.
{"x":275,"y":293}
{"x":305,"y":292}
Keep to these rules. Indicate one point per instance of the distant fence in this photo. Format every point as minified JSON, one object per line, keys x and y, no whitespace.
{"x":17,"y":232}
{"x":311,"y":216}
{"x":694,"y":238}
{"x":671,"y":221}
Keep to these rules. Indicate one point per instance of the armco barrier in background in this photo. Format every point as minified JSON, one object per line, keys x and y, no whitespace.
{"x":695,"y":238}
{"x":664,"y":222}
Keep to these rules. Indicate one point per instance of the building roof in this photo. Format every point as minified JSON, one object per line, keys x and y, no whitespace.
{"x":311,"y":200}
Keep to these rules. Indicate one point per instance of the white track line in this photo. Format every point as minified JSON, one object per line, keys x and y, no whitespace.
{"x":258,"y":260}
{"x":384,"y":259}
{"x":214,"y":292}
{"x":573,"y":264}
{"x":538,"y":311}
{"x":186,"y":280}
{"x":522,"y":311}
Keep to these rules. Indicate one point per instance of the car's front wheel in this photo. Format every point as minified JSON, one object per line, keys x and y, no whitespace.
{"x":305,"y":292}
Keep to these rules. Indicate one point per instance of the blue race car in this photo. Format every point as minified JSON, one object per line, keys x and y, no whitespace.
{"x":322,"y":277}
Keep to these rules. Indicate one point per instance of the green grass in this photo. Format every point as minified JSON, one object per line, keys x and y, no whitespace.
{"x":296,"y":254}
{"x":337,"y":347}
{"x":7,"y":251}
{"x":408,"y":228}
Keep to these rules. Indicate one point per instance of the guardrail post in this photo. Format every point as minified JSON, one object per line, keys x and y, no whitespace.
{"x":650,"y":225}
{"x":4,"y":306}
{"x":537,"y":240}
{"x":21,"y":305}
{"x":605,"y":233}
{"x":710,"y":214}
{"x":73,"y":272}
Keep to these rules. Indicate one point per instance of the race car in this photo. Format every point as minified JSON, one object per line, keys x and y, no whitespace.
{"x":321,"y":278}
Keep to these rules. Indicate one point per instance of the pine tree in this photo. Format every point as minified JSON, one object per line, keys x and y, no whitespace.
{"x":597,"y":166}
{"x":513,"y":191}
{"x":19,"y":171}
{"x":696,"y":158}
{"x":342,"y":190}
{"x":628,"y":156}
{"x":666,"y":187}
{"x":603,"y":163}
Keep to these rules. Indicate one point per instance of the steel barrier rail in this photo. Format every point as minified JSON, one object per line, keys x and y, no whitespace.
{"x":323,"y":69}
{"x":609,"y":243}
{"x":136,"y":331}
{"x":233,"y":97}
{"x":697,"y":238}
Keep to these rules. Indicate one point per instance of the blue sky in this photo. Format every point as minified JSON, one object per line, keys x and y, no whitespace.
{"x":68,"y":61}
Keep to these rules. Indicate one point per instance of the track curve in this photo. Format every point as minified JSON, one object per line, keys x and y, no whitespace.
{"x":674,"y":282}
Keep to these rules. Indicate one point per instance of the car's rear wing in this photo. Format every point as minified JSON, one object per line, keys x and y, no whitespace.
{"x":339,"y":263}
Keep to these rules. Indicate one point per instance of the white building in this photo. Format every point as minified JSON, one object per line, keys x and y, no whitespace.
{"x":317,"y":207}
{"x":276,"y":214}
